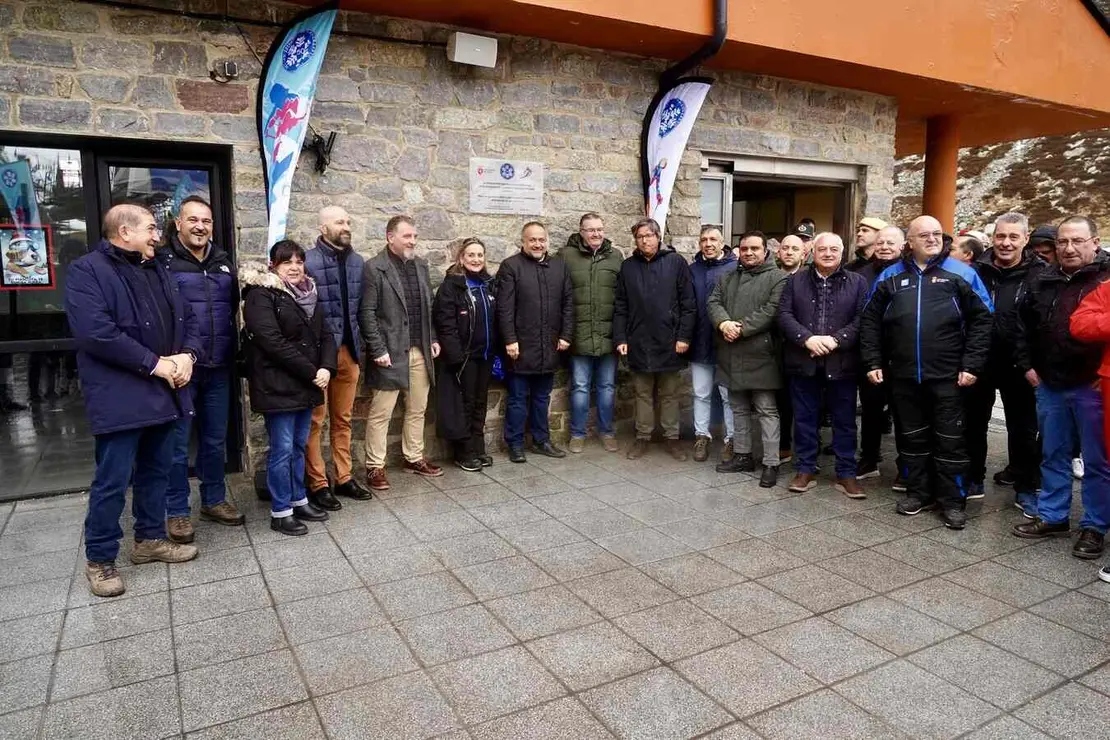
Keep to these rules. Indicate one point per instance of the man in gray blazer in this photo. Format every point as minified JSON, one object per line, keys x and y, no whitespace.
{"x":395,"y":319}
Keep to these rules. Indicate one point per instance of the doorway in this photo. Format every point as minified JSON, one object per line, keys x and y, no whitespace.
{"x":54,"y":191}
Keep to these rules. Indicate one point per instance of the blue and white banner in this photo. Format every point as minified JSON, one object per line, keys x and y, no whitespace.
{"x":19,"y":193}
{"x":673,"y":114}
{"x":285,"y":97}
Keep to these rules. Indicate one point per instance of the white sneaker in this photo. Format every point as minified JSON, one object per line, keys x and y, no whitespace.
{"x":1104,"y":574}
{"x":1077,"y":468}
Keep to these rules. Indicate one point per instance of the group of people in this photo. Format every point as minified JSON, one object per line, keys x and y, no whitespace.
{"x":790,"y":339}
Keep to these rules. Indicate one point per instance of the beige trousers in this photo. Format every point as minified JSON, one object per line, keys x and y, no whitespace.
{"x":382,"y":404}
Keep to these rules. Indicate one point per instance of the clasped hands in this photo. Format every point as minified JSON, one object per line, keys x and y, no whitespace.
{"x":821,"y":345}
{"x":176,"y":370}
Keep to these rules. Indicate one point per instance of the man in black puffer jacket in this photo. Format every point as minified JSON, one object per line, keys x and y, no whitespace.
{"x":207,"y":281}
{"x":535,"y":313}
{"x":653,"y":327}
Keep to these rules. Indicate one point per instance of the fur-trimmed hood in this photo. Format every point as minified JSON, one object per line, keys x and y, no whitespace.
{"x":259,"y":275}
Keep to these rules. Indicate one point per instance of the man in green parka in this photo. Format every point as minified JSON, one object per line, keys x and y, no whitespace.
{"x":593,"y":263}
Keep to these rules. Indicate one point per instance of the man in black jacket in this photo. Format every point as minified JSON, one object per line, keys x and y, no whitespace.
{"x":1064,"y":372}
{"x":926,"y":331}
{"x":1006,"y":269}
{"x":535,"y":313}
{"x":653,"y":326}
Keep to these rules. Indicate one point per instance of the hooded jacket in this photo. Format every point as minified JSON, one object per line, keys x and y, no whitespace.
{"x":706,"y":273}
{"x":211,"y":288}
{"x":655,"y":308}
{"x":926,"y":325}
{"x":831,"y":307}
{"x":338,"y":276}
{"x":285,"y":347}
{"x":535,"y":308}
{"x":593,"y":275}
{"x":1006,"y":286}
{"x":1045,"y":311}
{"x":750,"y":295}
{"x":120,"y":333}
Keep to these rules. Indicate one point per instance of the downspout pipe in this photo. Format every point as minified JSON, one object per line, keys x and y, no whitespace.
{"x":673,"y":75}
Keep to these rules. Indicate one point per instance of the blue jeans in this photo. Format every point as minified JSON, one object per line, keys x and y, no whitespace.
{"x":529,"y":398}
{"x":1066,"y":418}
{"x":288,"y":432}
{"x":603,"y":372}
{"x":211,"y":389}
{"x":840,"y":399}
{"x":139,"y":458}
{"x":702,"y":378}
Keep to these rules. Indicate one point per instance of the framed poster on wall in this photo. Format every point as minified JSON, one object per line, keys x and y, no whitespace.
{"x":26,"y":257}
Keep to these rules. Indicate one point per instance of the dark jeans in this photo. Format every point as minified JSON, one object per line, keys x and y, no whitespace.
{"x":1020,"y":402}
{"x":784,"y":399}
{"x":288,"y":432}
{"x":873,"y":400}
{"x":529,"y":398}
{"x":211,"y":389}
{"x":1068,"y":417}
{"x":474,"y":380}
{"x":810,"y":396}
{"x":932,"y":452}
{"x":139,"y":458}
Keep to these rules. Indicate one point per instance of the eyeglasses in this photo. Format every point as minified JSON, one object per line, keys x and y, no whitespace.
{"x":1077,"y":243}
{"x":593,"y":231}
{"x":642,"y":237}
{"x":926,"y":234}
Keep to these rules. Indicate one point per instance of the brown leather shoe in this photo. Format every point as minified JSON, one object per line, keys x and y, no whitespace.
{"x":726,"y":451}
{"x":104,"y":579}
{"x":676,"y":450}
{"x":377,"y":480}
{"x":222,"y":513}
{"x":424,"y":468}
{"x":610,"y":444}
{"x":802,"y":482}
{"x":850,"y":487}
{"x":637,"y":450}
{"x":701,"y":449}
{"x":180,"y":529}
{"x":164,"y":551}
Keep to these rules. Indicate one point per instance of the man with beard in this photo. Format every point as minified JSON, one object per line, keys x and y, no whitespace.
{"x":1006,"y":269}
{"x":206,"y":279}
{"x":867,"y":234}
{"x":337,"y":270}
{"x":791,"y":258}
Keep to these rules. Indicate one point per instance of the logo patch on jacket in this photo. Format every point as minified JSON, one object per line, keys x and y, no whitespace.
{"x":225,"y":268}
{"x":904,"y":283}
{"x":939,"y":280}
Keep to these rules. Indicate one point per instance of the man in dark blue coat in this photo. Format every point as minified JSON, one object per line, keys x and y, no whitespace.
{"x":711,"y":263}
{"x":337,"y":269}
{"x":136,"y":346}
{"x":206,"y":280}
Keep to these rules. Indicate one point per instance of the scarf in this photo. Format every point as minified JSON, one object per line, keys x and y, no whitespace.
{"x":304,"y":293}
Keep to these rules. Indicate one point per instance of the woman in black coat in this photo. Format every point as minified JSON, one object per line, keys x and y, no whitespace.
{"x":465,"y":321}
{"x":290,"y":359}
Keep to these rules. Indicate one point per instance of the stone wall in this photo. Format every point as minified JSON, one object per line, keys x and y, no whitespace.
{"x":408,"y":120}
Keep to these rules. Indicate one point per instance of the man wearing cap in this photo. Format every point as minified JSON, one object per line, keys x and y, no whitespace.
{"x":867,"y":233}
{"x":1043,"y":242}
{"x":806,"y":229}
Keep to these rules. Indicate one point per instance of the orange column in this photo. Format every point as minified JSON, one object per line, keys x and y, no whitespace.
{"x":942,"y":152}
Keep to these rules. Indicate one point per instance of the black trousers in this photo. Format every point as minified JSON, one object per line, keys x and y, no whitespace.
{"x":786,"y":418}
{"x":1020,"y":401}
{"x":932,"y":448}
{"x":474,"y":380}
{"x":874,"y":400}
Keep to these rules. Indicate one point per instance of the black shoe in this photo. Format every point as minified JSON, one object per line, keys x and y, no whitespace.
{"x":288,"y":525}
{"x":954,"y":518}
{"x":351,"y":489}
{"x":1004,"y":477}
{"x":486,"y":460}
{"x":516,"y":455}
{"x":867,"y":469}
{"x":738,"y":464}
{"x":912,"y":506}
{"x":547,"y":449}
{"x":1039,"y":529}
{"x":324,"y":499}
{"x":899,"y":484}
{"x":769,"y":477}
{"x":309,"y":513}
{"x":1089,"y":545}
{"x":470,"y":466}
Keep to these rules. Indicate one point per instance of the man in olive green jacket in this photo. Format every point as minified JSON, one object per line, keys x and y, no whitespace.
{"x":593,"y":263}
{"x":743,"y":307}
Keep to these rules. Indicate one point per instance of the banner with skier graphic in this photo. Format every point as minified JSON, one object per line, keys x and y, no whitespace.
{"x":670,"y":121}
{"x":18,"y":192}
{"x":285,"y":101}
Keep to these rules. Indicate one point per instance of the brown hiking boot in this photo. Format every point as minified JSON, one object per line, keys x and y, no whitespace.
{"x":676,"y":450}
{"x":104,"y":579}
{"x":180,"y":529}
{"x":424,"y":468}
{"x":377,"y":480}
{"x":222,"y":513}
{"x":610,"y":444}
{"x":726,"y":452}
{"x":802,"y":482}
{"x":577,"y":445}
{"x":850,"y":487}
{"x":701,"y":449}
{"x":164,"y":551}
{"x":637,"y":450}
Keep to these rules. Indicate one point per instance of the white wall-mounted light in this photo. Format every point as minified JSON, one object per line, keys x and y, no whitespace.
{"x":466,"y":48}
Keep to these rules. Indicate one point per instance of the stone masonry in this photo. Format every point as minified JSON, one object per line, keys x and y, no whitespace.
{"x":409,"y":120}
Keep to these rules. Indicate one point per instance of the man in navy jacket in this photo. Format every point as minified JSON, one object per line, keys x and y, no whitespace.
{"x":136,"y":346}
{"x":206,"y":280}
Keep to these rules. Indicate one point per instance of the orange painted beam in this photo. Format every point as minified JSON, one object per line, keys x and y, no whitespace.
{"x":942,"y":154}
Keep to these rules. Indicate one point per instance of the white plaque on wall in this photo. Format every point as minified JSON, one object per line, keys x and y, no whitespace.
{"x":506,"y":186}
